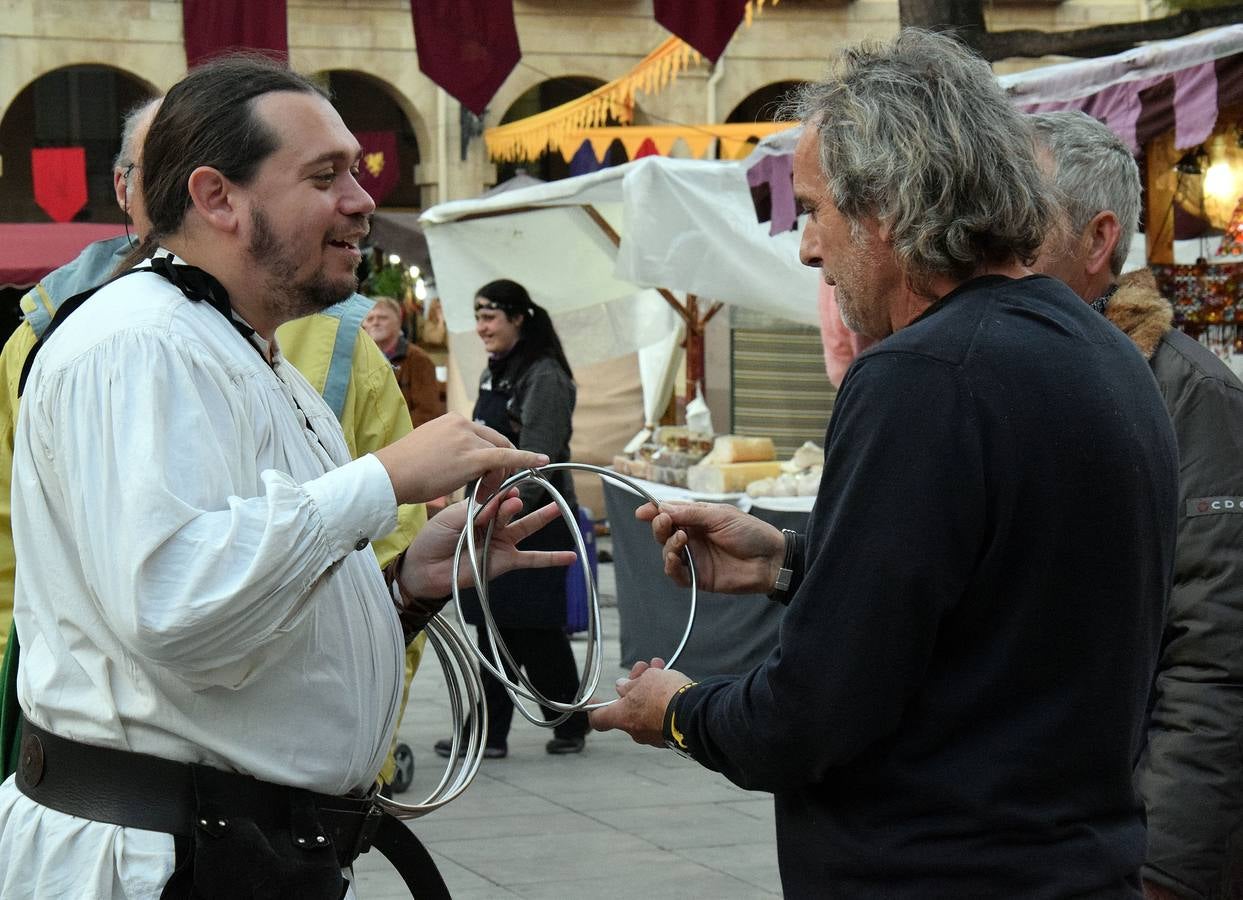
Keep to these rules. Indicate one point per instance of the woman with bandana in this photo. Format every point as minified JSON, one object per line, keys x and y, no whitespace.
{"x":527,"y":393}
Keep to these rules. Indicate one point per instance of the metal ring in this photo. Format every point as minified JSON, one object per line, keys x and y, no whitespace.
{"x":467,"y":705}
{"x":455,"y":652}
{"x":595,"y":648}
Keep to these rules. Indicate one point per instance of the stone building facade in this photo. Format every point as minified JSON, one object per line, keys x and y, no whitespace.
{"x":596,"y":39}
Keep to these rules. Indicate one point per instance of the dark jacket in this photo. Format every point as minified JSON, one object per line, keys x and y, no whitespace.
{"x":1191,"y":776}
{"x":958,"y":695}
{"x":538,"y":415}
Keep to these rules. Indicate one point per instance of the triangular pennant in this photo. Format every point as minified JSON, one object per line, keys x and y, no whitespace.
{"x":647,"y":148}
{"x":698,"y":142}
{"x":632,"y":142}
{"x":468,"y":47}
{"x":584,"y":161}
{"x":707,"y":25}
{"x":735,"y":148}
{"x":665,"y":142}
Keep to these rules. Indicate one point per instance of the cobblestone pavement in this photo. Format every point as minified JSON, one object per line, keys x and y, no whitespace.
{"x":617,"y":821}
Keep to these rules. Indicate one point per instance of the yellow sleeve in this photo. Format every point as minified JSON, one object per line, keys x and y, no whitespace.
{"x":375,"y":416}
{"x":12,"y":359}
{"x":375,"y":413}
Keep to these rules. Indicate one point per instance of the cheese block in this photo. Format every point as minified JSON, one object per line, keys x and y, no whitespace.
{"x":728,"y":478}
{"x":730,"y":448}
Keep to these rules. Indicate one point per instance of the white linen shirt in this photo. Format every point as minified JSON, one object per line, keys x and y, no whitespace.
{"x":194,"y":579}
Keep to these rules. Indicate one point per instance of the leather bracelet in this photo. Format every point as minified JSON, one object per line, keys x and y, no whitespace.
{"x":785,"y":575}
{"x":393,"y":569}
{"x":413,"y":612}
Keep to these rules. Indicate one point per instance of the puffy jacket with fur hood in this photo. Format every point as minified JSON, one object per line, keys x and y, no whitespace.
{"x":1191,"y":775}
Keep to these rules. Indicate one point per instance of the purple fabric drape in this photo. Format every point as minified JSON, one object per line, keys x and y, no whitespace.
{"x":707,"y":25}
{"x":468,"y":47}
{"x":212,"y":27}
{"x":379,"y":172}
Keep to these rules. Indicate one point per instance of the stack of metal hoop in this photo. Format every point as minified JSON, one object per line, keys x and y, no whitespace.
{"x":457,"y":655}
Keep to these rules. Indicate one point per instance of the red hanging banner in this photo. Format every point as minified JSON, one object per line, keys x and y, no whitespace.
{"x":59,"y":180}
{"x":468,"y":47}
{"x":212,"y":27}
{"x":378,"y":171}
{"x":707,"y":25}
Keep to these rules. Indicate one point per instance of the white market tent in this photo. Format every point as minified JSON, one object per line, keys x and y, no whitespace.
{"x":594,"y":249}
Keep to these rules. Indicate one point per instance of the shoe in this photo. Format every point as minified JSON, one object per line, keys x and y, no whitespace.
{"x":444,"y":747}
{"x":559,"y":746}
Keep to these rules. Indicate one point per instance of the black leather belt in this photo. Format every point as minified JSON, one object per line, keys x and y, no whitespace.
{"x":136,"y":790}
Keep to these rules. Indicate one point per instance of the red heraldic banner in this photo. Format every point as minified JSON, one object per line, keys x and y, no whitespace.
{"x":378,"y":170}
{"x":468,"y":47}
{"x":212,"y":27}
{"x":707,"y":25}
{"x":60,"y":180}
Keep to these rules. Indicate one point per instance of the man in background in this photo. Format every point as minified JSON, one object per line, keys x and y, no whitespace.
{"x":1191,"y":774}
{"x":415,"y":371}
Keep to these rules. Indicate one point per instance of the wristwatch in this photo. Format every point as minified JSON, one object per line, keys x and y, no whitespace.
{"x":674,"y":739}
{"x":785,"y":575}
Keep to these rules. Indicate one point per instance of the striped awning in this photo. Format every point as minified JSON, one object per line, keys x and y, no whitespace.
{"x":1178,"y":85}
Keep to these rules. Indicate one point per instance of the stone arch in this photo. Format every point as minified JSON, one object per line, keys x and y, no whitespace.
{"x":150,"y":86}
{"x":70,"y":105}
{"x":540,"y":96}
{"x":387,"y":109}
{"x":763,"y":104}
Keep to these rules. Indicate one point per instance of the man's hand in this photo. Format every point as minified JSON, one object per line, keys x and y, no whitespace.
{"x":427,"y":568}
{"x":444,"y":454}
{"x":734,"y":553}
{"x":645,"y":696}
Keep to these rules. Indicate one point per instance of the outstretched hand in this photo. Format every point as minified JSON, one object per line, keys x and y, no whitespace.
{"x":447,"y":453}
{"x":734,"y":553}
{"x":427,"y":569}
{"x":644,"y":697}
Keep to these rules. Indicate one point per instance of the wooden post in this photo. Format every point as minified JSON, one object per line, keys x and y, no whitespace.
{"x":1159,"y":205}
{"x":694,"y":345}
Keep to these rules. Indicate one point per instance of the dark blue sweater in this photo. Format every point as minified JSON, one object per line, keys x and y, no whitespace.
{"x":959,"y":691}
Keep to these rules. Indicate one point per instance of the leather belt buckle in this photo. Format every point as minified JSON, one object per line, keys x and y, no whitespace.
{"x":371,"y":824}
{"x":32,"y":759}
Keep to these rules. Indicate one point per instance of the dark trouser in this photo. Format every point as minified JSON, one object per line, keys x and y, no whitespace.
{"x":549,"y":662}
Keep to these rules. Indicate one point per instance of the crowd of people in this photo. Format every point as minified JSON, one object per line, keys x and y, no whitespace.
{"x":1009,"y":662}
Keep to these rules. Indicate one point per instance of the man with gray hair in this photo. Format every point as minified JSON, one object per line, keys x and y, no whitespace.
{"x":90,"y":267}
{"x":1191,"y":774}
{"x":959,"y":690}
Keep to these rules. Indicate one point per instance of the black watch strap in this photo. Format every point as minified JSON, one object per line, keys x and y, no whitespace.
{"x":675,"y":740}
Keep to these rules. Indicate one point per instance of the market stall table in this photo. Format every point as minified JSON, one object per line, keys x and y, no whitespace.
{"x":732,"y":633}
